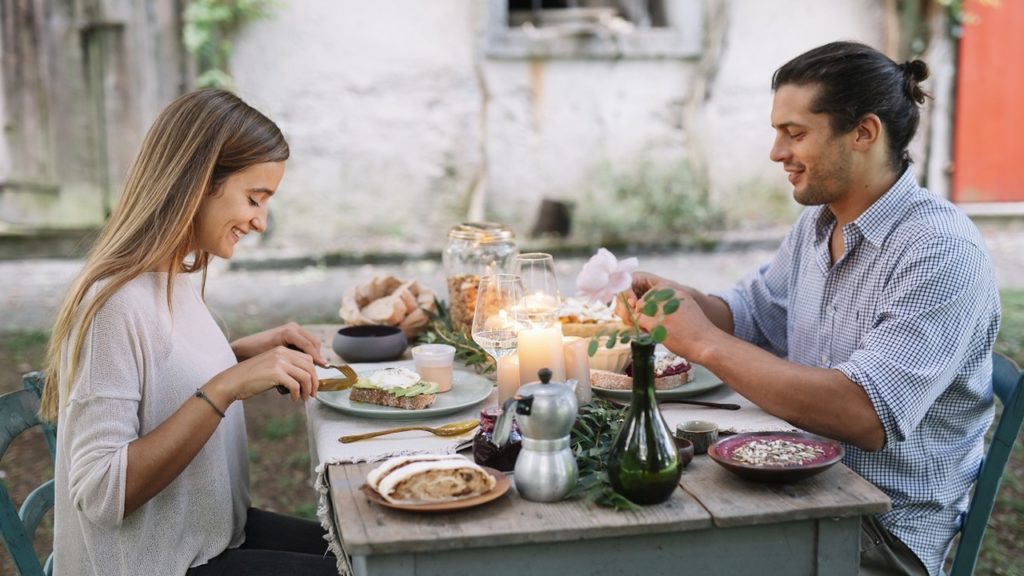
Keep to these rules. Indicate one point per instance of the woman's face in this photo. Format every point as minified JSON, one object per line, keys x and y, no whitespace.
{"x":236,"y":208}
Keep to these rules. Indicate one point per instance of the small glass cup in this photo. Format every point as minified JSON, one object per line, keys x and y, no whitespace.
{"x":434,"y":364}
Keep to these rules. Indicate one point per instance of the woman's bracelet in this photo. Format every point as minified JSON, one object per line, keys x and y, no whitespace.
{"x":201,"y":394}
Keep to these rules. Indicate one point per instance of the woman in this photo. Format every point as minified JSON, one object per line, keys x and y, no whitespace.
{"x":152,"y":472}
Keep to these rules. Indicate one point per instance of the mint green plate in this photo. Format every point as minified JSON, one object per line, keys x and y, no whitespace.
{"x":700,"y":382}
{"x":468,"y":389}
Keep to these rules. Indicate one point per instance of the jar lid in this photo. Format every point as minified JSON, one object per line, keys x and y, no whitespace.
{"x":482,"y":232}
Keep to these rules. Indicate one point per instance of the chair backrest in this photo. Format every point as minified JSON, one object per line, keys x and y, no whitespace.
{"x":1008,"y":385}
{"x":19,"y":412}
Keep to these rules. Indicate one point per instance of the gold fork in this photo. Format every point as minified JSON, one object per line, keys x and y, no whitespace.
{"x":450,"y":429}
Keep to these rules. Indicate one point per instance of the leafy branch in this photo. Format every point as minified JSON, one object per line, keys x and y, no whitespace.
{"x":209,"y":25}
{"x":591,"y":438}
{"x":657,"y":304}
{"x":440,"y":331}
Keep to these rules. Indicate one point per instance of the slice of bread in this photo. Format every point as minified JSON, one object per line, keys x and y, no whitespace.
{"x":385,"y":398}
{"x":616,"y":381}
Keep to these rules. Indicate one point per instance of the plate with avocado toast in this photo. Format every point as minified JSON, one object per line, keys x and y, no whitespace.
{"x":412,"y":401}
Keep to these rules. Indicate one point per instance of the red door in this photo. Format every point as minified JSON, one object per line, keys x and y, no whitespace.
{"x":988,"y":152}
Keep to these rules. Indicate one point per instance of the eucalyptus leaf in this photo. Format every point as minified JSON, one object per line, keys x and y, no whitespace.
{"x":663,"y":294}
{"x":592,"y":347}
{"x":624,"y":338}
{"x":670,"y":306}
{"x":650,"y":308}
{"x":659,"y":334}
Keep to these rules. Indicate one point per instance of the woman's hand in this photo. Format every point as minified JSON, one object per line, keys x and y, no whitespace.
{"x":289,"y":334}
{"x":289,"y":368}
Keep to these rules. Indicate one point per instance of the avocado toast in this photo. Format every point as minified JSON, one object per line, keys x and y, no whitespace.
{"x":395,"y":387}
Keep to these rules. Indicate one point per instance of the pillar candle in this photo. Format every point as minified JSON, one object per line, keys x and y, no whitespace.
{"x":541,"y":348}
{"x":577,"y":366}
{"x":508,"y":377}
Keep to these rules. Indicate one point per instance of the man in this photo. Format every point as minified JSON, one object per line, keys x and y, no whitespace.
{"x":874,"y":322}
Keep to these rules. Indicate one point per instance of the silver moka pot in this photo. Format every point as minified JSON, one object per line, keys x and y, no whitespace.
{"x":546,"y":411}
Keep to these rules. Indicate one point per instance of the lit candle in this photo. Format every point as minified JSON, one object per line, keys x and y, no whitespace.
{"x":577,"y":366}
{"x":508,"y":377}
{"x":541,"y":348}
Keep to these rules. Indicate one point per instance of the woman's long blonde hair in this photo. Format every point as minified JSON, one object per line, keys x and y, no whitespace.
{"x":199,"y":140}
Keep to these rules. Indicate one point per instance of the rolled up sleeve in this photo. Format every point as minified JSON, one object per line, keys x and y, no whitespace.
{"x":99,"y":435}
{"x":102,"y":416}
{"x":913,"y":350}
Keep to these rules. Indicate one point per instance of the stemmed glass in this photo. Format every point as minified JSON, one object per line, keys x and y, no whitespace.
{"x":541,"y":300}
{"x":495,"y":322}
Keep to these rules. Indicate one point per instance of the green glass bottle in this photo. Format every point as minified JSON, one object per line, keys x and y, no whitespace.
{"x":643,"y":463}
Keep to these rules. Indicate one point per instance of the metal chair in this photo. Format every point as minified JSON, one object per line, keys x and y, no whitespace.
{"x":19,"y":412}
{"x":1008,"y":385}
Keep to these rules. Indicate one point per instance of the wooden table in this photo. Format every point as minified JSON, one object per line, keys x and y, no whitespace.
{"x":715,"y":523}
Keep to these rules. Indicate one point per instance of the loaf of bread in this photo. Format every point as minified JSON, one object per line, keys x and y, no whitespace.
{"x":429,"y":478}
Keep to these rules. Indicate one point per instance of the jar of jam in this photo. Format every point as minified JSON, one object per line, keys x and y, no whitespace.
{"x":485,"y":453}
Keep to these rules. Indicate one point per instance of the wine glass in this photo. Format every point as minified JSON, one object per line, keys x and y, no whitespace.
{"x":495,"y":323}
{"x":541,"y":298}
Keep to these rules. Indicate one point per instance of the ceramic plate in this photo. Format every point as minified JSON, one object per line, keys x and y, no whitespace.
{"x":500,"y":487}
{"x":467,"y":389}
{"x":722,"y":453}
{"x":701,"y":381}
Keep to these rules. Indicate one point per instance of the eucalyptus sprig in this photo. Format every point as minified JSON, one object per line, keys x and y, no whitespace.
{"x":591,"y":439}
{"x":656,"y":304}
{"x":440,"y":331}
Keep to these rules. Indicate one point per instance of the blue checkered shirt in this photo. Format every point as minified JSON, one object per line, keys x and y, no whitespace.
{"x":909,"y":313}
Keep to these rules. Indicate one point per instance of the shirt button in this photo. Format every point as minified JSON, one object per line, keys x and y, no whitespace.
{"x":824,"y":360}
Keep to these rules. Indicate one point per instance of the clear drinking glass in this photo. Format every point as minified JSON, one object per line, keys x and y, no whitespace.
{"x":495,"y":320}
{"x":541,"y":298}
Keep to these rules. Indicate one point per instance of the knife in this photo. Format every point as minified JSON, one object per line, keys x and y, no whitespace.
{"x":347,"y":380}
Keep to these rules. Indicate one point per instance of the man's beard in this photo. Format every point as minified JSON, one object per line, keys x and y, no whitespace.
{"x":831,"y":183}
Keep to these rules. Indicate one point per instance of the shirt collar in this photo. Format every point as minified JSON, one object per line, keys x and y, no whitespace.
{"x":880,"y":218}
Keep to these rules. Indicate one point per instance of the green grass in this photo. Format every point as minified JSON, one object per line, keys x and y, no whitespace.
{"x":27,"y":348}
{"x":1011,"y":333}
{"x":281,"y":427}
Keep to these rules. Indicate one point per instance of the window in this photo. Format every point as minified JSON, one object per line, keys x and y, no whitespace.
{"x":594,"y":29}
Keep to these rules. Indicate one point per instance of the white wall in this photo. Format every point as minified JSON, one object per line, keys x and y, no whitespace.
{"x":385,"y":112}
{"x":381,"y":109}
{"x":736,"y":121}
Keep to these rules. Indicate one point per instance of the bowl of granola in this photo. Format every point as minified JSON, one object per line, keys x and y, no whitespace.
{"x":776,"y":456}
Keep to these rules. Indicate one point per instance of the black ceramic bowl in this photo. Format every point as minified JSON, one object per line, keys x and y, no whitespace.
{"x":369,"y":343}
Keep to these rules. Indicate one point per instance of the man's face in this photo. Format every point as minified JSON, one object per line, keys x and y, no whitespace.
{"x":818,"y":161}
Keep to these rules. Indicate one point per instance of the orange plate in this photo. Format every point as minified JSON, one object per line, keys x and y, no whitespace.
{"x":500,"y":487}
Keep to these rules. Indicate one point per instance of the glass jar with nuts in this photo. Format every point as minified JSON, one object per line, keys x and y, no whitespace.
{"x":474,"y":249}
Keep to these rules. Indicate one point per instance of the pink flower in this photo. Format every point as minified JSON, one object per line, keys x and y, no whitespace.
{"x":602,"y":277}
